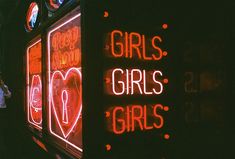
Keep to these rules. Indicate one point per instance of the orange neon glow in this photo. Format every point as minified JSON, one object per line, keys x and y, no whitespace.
{"x":134,"y":81}
{"x":65,"y":82}
{"x":159,"y":54}
{"x":165,"y":81}
{"x":34,"y":85}
{"x":166,"y":108}
{"x":164,"y":53}
{"x":164,"y":26}
{"x":65,"y":54}
{"x":53,"y":4}
{"x":133,"y":45}
{"x":108,"y":147}
{"x":35,"y":59}
{"x":35,"y":100}
{"x":71,"y":97}
{"x":166,"y":136}
{"x":107,"y":114}
{"x":106,"y":14}
{"x":135,"y":117}
{"x":39,"y":143}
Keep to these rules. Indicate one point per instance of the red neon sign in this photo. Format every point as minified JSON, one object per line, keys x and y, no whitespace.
{"x":134,"y":82}
{"x":135,"y":117}
{"x":66,"y":98}
{"x":134,"y":45}
{"x":34,"y":85}
{"x":65,"y":82}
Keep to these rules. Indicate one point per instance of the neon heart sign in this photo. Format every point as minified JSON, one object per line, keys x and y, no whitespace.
{"x":66,"y":99}
{"x":65,"y":82}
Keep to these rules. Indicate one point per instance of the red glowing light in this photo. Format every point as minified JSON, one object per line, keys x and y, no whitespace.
{"x":106,"y":14}
{"x":65,"y":82}
{"x":107,"y":114}
{"x":72,"y":97}
{"x":34,"y":85}
{"x":165,"y":81}
{"x":53,"y":5}
{"x":36,"y":100}
{"x":166,"y":108}
{"x":164,"y":26}
{"x":164,"y":53}
{"x":65,"y":55}
{"x":39,"y":143}
{"x":166,"y":136}
{"x":135,"y":117}
{"x":108,"y":147}
{"x":133,"y":45}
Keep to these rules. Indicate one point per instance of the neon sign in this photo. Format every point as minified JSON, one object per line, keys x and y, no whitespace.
{"x":134,"y":46}
{"x":32,"y":16}
{"x":54,"y":4}
{"x":66,"y":99}
{"x":34,"y":85}
{"x":134,"y":82}
{"x":129,"y":118}
{"x":65,"y":82}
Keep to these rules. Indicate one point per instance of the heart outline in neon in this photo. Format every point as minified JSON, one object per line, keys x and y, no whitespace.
{"x":77,"y":70}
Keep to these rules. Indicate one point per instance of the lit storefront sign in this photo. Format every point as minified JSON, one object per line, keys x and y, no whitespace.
{"x":32,"y":16}
{"x":65,"y":82}
{"x":54,"y":4}
{"x":134,"y":81}
{"x":34,"y":84}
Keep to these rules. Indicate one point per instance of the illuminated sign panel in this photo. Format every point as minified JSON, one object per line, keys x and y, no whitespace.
{"x":65,"y":82}
{"x":135,"y":81}
{"x":34,"y":84}
{"x":54,"y":4}
{"x":32,"y":16}
{"x":123,"y":119}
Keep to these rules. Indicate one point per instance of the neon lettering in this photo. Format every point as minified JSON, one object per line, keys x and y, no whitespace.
{"x":159,"y":50}
{"x":146,"y":127}
{"x":133,"y":45}
{"x":119,"y":82}
{"x":157,"y":82}
{"x":115,"y":44}
{"x":136,"y":117}
{"x":161,"y":121}
{"x":64,"y":63}
{"x":137,"y":113}
{"x":65,"y":40}
{"x":120,"y":121}
{"x":135,"y":81}
{"x":66,"y":59}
